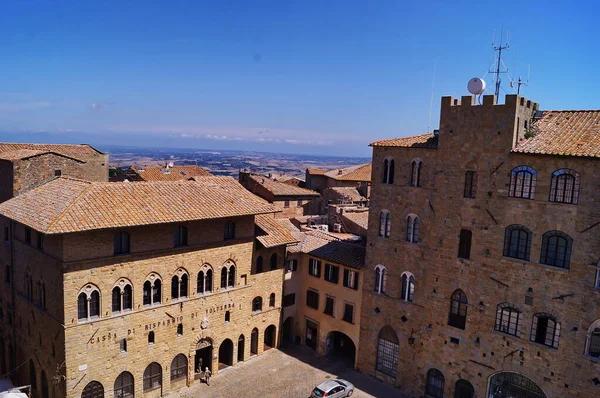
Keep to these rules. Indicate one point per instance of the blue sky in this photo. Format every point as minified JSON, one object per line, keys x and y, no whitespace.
{"x":323,"y":77}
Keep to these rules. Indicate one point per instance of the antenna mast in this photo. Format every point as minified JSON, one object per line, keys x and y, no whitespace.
{"x":498,"y":70}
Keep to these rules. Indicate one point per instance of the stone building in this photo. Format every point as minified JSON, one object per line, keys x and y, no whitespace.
{"x":288,"y":199}
{"x":354,"y":177}
{"x":116,"y":289}
{"x":483,"y":258}
{"x":24,"y":166}
{"x":158,"y":173}
{"x":322,"y":294}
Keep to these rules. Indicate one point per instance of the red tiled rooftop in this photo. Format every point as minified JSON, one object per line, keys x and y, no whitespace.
{"x":428,"y":141}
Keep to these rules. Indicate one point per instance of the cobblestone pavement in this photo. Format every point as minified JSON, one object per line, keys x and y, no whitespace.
{"x":292,"y":373}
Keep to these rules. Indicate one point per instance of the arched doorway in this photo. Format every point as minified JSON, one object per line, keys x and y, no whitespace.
{"x":463,"y":389}
{"x":513,"y":385}
{"x":225,"y":354}
{"x":341,"y":346}
{"x":269,"y":338}
{"x":45,"y":392}
{"x":287,"y":334}
{"x":254,"y":342}
{"x":203,"y":357}
{"x":241,"y":348}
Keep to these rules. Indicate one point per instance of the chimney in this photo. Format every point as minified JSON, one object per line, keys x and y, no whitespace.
{"x":436,"y":133}
{"x":340,"y":171}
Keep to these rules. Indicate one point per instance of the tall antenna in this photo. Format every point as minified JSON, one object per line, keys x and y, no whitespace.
{"x":498,"y":71}
{"x":431,"y":100}
{"x":520,"y":82}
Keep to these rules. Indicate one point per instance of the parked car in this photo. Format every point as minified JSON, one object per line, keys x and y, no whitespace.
{"x":333,"y":389}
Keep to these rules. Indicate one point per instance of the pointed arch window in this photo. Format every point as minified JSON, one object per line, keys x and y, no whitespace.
{"x":517,"y":242}
{"x":385,"y":223}
{"x":388,"y":171}
{"x":88,"y":304}
{"x":152,"y":291}
{"x":458,"y":310}
{"x":228,"y":275}
{"x":122,"y":297}
{"x":556,"y":249}
{"x":412,"y":228}
{"x":204,"y":283}
{"x":545,"y":330}
{"x":408,"y":286}
{"x":522,"y":182}
{"x":179,"y":285}
{"x":380,"y":279}
{"x":415,"y":175}
{"x":508,"y":319}
{"x":564,"y":187}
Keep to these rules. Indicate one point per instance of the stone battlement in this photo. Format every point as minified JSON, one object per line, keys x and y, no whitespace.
{"x":511,"y":100}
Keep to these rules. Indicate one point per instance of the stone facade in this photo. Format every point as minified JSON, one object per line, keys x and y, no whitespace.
{"x":478,"y":138}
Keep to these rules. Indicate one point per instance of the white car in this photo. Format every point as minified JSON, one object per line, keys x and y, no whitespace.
{"x":333,"y":389}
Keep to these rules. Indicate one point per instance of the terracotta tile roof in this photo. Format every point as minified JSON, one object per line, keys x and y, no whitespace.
{"x":350,"y":192}
{"x":64,"y":149}
{"x":359,"y":218}
{"x":286,"y":178}
{"x":20,"y":154}
{"x":281,"y":189}
{"x":272,"y":233}
{"x":66,"y":205}
{"x":316,"y":172}
{"x":175,"y":173}
{"x":362,"y":172}
{"x":429,"y":141}
{"x":332,"y":250}
{"x":229,"y":184}
{"x":565,"y":133}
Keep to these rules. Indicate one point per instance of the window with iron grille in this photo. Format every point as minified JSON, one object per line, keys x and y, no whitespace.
{"x":329,"y":305}
{"x":508,"y":319}
{"x":517,"y":242}
{"x":545,"y":330}
{"x":348,"y":313}
{"x":152,"y":377}
{"x":458,"y":310}
{"x":564,"y":187}
{"x":93,"y":389}
{"x":388,"y":349}
{"x":331,"y":273}
{"x":522,"y":182}
{"x":312,"y":299}
{"x":351,"y":279}
{"x":464,"y":244}
{"x":435,"y":384}
{"x":179,"y":367}
{"x":556,"y":249}
{"x":470,"y":184}
{"x":314,"y":267}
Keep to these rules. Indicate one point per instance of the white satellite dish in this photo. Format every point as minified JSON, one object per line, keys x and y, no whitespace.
{"x":476,"y":86}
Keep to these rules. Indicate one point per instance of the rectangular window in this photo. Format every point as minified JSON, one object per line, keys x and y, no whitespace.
{"x":57,"y":173}
{"x":464,"y":244}
{"x":312,"y":299}
{"x":470,"y":184}
{"x":181,"y":236}
{"x":121,"y":244}
{"x":351,"y":279}
{"x":40,"y":241}
{"x":314,"y":267}
{"x":329,"y":305}
{"x":292,"y":265}
{"x":6,"y":234}
{"x":28,"y":235}
{"x":286,"y":204}
{"x":229,"y":232}
{"x":348,"y":313}
{"x":289,"y":300}
{"x":332,"y":273}
{"x":299,"y":204}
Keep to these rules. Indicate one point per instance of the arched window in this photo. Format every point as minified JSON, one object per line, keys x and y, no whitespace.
{"x":179,"y":285}
{"x":412,"y":228}
{"x":204,"y":284}
{"x":124,"y":386}
{"x":223,"y":278}
{"x":470,"y":190}
{"x":408,"y":286}
{"x":522,"y":182}
{"x":380,"y":279}
{"x":458,"y":310}
{"x":88,"y":303}
{"x":180,"y":329}
{"x":175,"y":287}
{"x":127,"y":298}
{"x":388,"y":171}
{"x":508,"y":319}
{"x":152,"y":290}
{"x":151,"y":338}
{"x":274,"y":261}
{"x":228,"y":275}
{"x":517,"y":242}
{"x":116,"y":300}
{"x":93,"y":390}
{"x":179,"y":367}
{"x":463,"y":389}
{"x":545,"y":330}
{"x":556,"y":249}
{"x":385,"y":223}
{"x":257,"y":304}
{"x":592,"y":344}
{"x":229,"y":230}
{"x":388,"y":349}
{"x":152,"y":377}
{"x":272,"y":300}
{"x":227,"y":316}
{"x":259,"y":264}
{"x":122,"y":297}
{"x":434,"y":387}
{"x":121,"y":243}
{"x":415,"y":175}
{"x":564,"y":187}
